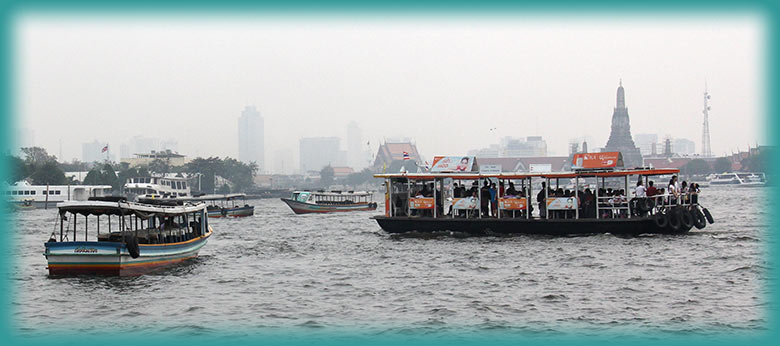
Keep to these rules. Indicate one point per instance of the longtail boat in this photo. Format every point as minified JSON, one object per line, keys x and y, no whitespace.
{"x":304,"y":202}
{"x":136,"y":237}
{"x":448,"y":206}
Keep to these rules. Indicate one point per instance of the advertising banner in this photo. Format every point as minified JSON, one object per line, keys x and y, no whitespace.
{"x":421,"y":203}
{"x":512,"y":203}
{"x":561,"y":203}
{"x":597,"y":160}
{"x":465,"y":203}
{"x":453,"y":164}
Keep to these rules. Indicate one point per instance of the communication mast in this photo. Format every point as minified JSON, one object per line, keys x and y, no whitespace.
{"x":706,"y":150}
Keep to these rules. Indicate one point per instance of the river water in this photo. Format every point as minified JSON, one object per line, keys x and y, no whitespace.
{"x":280,"y":272}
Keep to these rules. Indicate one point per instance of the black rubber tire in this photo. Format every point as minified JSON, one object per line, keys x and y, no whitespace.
{"x":131,"y":243}
{"x":674,"y":220}
{"x":698,"y":219}
{"x":660,"y":220}
{"x":686,"y":219}
{"x":708,"y":215}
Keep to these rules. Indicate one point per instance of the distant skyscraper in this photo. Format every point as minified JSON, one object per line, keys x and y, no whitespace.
{"x":318,"y":152}
{"x":531,"y":146}
{"x":706,"y":150}
{"x":93,"y":152}
{"x":646,"y":142}
{"x":620,"y":136}
{"x":684,"y":146}
{"x":251,"y":138}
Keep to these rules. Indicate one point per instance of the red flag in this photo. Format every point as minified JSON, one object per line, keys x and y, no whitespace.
{"x":105,"y":149}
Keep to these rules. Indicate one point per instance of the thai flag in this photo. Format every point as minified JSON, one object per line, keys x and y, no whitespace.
{"x":427,"y":166}
{"x":105,"y":149}
{"x":406,"y":156}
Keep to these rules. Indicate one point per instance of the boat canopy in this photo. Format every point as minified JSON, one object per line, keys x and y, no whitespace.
{"x":125,"y":208}
{"x":336,"y":193}
{"x":215,"y":197}
{"x":551,"y":175}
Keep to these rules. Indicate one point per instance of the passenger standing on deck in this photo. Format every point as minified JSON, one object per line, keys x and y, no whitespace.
{"x":493,"y":199}
{"x":542,"y":202}
{"x":485,"y":199}
{"x":673,"y":190}
{"x":640,"y":196}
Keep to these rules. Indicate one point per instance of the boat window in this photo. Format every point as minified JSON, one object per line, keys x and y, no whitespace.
{"x":183,"y":184}
{"x":57,"y":192}
{"x":154,"y":180}
{"x":26,"y":192}
{"x":32,"y":192}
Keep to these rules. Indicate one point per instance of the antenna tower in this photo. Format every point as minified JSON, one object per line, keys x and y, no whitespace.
{"x":706,"y":150}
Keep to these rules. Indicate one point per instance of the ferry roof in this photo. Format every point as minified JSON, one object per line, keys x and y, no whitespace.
{"x":214,"y":197}
{"x":125,"y":208}
{"x":553,"y":175}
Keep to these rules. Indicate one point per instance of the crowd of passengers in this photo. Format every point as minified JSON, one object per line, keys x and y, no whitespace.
{"x":613,"y":203}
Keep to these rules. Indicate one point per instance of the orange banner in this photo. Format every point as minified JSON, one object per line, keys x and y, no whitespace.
{"x":597,"y":160}
{"x":421,"y":203}
{"x":512,"y":203}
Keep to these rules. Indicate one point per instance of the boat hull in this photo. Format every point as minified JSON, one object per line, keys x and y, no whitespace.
{"x":307,"y":208}
{"x":232,"y":212}
{"x":633,"y":226}
{"x":113,"y":258}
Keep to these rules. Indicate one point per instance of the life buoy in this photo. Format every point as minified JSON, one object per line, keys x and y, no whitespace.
{"x":674,"y":219}
{"x":660,"y":220}
{"x":686,"y":220}
{"x":131,"y":242}
{"x":698,"y":219}
{"x":708,"y":215}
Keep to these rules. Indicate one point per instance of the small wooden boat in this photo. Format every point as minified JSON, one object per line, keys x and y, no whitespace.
{"x":304,"y":202}
{"x":139,"y":237}
{"x":225,"y":205}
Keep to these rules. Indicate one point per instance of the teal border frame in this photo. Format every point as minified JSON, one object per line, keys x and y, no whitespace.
{"x":770,"y":10}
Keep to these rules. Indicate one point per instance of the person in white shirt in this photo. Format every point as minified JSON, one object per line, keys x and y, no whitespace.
{"x":640,"y":190}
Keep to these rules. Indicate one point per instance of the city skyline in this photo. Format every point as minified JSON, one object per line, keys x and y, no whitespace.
{"x":452,"y":85}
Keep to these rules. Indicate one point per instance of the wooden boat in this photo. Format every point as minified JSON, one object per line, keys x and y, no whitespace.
{"x":304,"y":202}
{"x":559,"y":213}
{"x":225,"y":205}
{"x":139,"y":237}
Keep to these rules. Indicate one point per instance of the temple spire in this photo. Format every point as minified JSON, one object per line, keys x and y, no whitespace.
{"x":621,"y":97}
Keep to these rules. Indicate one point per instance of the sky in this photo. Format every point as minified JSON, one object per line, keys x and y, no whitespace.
{"x":443,"y":81}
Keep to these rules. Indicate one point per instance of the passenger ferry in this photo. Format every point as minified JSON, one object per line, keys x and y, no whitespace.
{"x":451,"y":208}
{"x":24,"y":194}
{"x":111,"y":236}
{"x":159,"y":186}
{"x":741,"y":179}
{"x":304,"y":202}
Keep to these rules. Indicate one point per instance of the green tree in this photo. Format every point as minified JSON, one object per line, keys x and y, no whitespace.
{"x":756,"y":163}
{"x":48,"y":173}
{"x":696,"y":166}
{"x":359,"y":178}
{"x":18,"y":169}
{"x":37,"y":156}
{"x":326,"y":176}
{"x":224,"y":189}
{"x":208,"y":169}
{"x":160,"y":165}
{"x":93,"y":177}
{"x":721,"y":165}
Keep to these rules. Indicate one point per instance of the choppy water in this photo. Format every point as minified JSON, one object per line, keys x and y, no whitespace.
{"x":280,"y":271}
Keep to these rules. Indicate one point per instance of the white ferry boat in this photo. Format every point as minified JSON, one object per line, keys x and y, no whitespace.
{"x":740,"y":179}
{"x":158,"y":186}
{"x":23,"y":193}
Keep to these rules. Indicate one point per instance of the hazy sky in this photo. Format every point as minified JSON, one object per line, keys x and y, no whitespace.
{"x":443,"y":81}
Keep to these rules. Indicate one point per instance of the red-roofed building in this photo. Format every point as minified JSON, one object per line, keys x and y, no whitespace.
{"x":341,"y":172}
{"x":392,"y":155}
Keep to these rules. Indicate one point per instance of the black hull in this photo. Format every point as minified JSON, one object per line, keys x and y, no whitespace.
{"x":633,"y":226}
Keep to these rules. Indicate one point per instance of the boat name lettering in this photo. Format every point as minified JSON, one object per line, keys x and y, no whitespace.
{"x":85,"y":250}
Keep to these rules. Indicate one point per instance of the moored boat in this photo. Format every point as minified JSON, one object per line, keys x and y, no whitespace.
{"x":136,"y":237}
{"x":226,"y":205}
{"x":304,"y":202}
{"x":438,"y":201}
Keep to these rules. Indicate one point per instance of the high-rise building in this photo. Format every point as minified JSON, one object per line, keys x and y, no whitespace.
{"x":251,"y":138}
{"x":318,"y":152}
{"x":683,"y":146}
{"x":531,"y":146}
{"x":93,"y":152}
{"x":620,"y":136}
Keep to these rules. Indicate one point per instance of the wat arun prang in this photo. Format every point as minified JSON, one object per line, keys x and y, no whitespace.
{"x":620,"y":137}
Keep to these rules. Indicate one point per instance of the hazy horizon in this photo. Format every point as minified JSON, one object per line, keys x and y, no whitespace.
{"x":443,"y":82}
